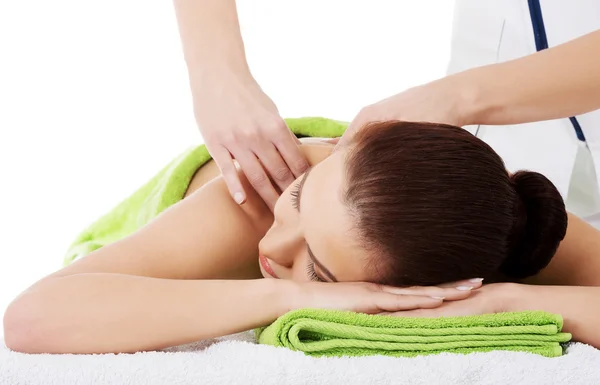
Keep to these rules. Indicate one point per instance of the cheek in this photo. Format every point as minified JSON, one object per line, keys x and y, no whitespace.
{"x":299,"y":271}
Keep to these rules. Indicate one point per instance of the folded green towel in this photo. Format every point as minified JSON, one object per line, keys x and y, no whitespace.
{"x":336,"y":333}
{"x":168,"y":187}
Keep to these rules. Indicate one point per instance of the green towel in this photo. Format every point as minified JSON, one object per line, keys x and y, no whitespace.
{"x":168,"y":187}
{"x":337,"y":333}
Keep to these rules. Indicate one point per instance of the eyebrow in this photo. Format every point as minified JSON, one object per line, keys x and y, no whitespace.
{"x":310,"y":253}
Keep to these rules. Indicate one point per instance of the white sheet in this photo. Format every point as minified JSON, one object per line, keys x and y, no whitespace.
{"x":237,"y":360}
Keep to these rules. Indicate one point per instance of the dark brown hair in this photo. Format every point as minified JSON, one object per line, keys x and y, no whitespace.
{"x":435,"y":204}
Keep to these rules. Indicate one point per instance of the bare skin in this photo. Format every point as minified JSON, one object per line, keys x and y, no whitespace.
{"x":183,"y":278}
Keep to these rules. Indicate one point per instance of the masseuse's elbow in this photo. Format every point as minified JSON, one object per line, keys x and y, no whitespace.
{"x":26,"y":330}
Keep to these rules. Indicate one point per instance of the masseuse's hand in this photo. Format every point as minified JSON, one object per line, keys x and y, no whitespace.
{"x":372,"y":299}
{"x":437,"y":102}
{"x":239,"y":121}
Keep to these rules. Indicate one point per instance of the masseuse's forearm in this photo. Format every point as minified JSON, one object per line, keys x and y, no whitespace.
{"x":555,"y":83}
{"x":578,"y":305}
{"x":99,"y":313}
{"x":211,"y":38}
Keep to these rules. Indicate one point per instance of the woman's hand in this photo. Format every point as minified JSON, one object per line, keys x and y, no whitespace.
{"x":441,"y":101}
{"x":492,"y":298}
{"x":371,"y":298}
{"x":239,"y":121}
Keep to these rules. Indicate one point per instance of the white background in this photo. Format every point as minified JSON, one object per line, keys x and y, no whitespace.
{"x":94,"y":97}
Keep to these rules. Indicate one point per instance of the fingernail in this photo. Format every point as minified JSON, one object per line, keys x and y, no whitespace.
{"x":464,"y":288}
{"x":476,"y":280}
{"x":239,"y":198}
{"x":438,"y":297}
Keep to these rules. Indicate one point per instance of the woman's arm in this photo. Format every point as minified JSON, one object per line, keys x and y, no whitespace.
{"x":577,"y":260}
{"x":554,"y":83}
{"x":569,"y":286}
{"x":578,"y":305}
{"x":144,"y":291}
{"x":112,"y":313}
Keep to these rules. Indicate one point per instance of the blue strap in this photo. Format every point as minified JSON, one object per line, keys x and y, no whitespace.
{"x":541,"y":43}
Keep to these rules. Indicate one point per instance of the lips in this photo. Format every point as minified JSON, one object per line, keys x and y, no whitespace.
{"x":266,"y":266}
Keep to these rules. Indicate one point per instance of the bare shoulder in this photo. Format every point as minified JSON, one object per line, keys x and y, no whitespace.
{"x":204,"y":236}
{"x":577,"y":261}
{"x":208,"y":172}
{"x":315,"y":149}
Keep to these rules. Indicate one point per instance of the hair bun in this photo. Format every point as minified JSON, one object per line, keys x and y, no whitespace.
{"x":540,"y":225}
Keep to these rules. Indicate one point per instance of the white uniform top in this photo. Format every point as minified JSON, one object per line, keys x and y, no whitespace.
{"x":491,"y":31}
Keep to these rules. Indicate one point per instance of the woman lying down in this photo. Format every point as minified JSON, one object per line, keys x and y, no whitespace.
{"x":412,"y":219}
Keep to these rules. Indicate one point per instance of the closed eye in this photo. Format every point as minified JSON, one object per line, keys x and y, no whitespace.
{"x":295,"y":193}
{"x":311,"y":273}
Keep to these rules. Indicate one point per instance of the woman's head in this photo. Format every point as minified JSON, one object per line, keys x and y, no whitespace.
{"x":415,"y":204}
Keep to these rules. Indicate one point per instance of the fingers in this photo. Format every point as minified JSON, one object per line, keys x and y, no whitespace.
{"x":295,"y":138}
{"x":474,"y":283}
{"x":400,"y":302}
{"x":257,"y":177}
{"x":445,"y":293}
{"x":276,"y":167}
{"x":269,"y":157}
{"x":421,"y":313}
{"x":281,"y":158}
{"x":225,"y":162}
{"x":287,"y":145}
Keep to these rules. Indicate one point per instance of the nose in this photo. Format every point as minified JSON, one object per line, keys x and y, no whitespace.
{"x":282,"y":244}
